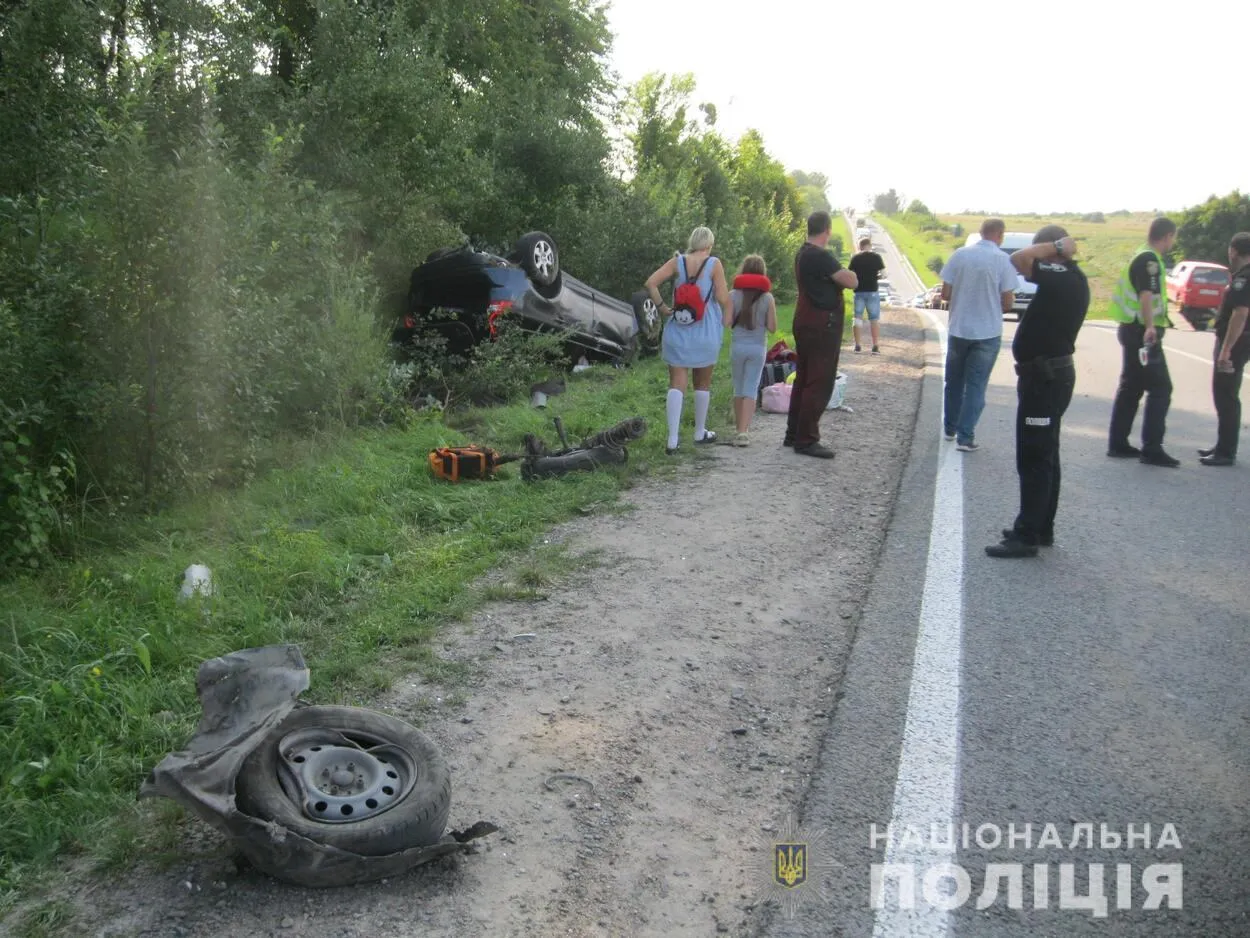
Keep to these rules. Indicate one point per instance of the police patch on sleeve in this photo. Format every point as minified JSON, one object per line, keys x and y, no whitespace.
{"x":1239,"y":283}
{"x":1152,"y":267}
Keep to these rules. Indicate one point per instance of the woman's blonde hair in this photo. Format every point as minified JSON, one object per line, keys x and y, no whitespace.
{"x":701,"y":239}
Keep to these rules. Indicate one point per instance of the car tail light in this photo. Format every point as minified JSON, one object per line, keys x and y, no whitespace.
{"x":493,"y":312}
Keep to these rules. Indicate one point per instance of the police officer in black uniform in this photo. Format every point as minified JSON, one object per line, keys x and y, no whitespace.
{"x":1043,"y":347}
{"x":1232,"y":350}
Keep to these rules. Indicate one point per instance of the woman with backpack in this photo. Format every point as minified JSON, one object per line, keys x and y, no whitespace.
{"x":754,"y":317}
{"x":694,"y":327}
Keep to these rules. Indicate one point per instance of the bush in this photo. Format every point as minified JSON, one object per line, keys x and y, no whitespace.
{"x":935,"y":264}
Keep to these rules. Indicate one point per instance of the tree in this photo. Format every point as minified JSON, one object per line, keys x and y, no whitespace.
{"x":918,"y":208}
{"x":813,"y":191}
{"x":935,"y":264}
{"x":887,"y":203}
{"x":1205,"y":230}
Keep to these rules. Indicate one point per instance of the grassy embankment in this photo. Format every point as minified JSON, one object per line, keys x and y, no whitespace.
{"x":354,"y":552}
{"x":1105,"y":247}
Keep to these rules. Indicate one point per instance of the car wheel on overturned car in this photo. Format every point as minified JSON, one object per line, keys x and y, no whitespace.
{"x":650,"y":323}
{"x":349,"y":778}
{"x":536,"y":253}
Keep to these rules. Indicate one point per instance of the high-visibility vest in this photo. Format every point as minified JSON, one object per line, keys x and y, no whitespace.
{"x":1125,"y":304}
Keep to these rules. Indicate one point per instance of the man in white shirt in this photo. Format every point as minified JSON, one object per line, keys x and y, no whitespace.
{"x":979,"y":282}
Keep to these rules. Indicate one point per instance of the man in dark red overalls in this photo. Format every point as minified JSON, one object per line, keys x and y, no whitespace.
{"x":819,"y":318}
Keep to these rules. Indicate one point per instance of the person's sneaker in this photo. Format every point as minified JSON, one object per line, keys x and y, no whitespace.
{"x":1218,"y":459}
{"x":1012,"y":548}
{"x":819,"y":450}
{"x":858,"y":349}
{"x":709,"y":436}
{"x":876,"y":350}
{"x":1157,"y":457}
{"x":788,"y":442}
{"x":1204,"y":453}
{"x":1123,"y":451}
{"x":950,"y":435}
{"x":742,"y":439}
{"x":969,"y":447}
{"x":1046,"y":540}
{"x":670,"y":450}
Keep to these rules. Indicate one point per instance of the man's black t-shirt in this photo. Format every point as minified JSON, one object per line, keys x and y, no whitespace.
{"x":867,"y":265}
{"x":1049,"y":326}
{"x":1144,"y":274}
{"x":818,"y":294}
{"x":1238,"y":294}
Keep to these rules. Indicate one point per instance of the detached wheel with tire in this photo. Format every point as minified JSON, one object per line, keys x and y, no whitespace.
{"x":650,"y":323}
{"x":349,"y":778}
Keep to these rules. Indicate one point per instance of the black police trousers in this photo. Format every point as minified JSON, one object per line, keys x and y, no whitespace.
{"x":1226,"y":393}
{"x":1044,"y":395}
{"x":1137,"y":379}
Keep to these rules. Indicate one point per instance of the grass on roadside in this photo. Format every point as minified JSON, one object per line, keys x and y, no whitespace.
{"x":354,"y":552}
{"x":919,"y":247}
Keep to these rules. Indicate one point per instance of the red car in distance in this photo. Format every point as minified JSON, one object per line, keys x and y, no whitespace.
{"x":1198,"y":289}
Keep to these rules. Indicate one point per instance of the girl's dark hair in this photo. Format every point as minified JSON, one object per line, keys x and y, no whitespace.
{"x":751,"y":264}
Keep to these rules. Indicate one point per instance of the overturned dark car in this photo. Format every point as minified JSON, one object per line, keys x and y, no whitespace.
{"x":461,"y":294}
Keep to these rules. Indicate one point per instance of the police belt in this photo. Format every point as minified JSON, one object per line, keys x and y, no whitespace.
{"x":1043,"y":367}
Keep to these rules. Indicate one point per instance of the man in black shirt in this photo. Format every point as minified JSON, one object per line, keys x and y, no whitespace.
{"x":1232,"y":350}
{"x":1043,"y":348}
{"x":867,"y":265}
{"x":819,"y":318}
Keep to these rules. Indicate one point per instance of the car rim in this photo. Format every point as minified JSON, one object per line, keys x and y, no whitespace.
{"x":338,"y":779}
{"x":650,"y":315}
{"x":544,"y":258}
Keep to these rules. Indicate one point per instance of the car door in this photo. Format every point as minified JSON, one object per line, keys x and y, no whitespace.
{"x":1176,"y":282}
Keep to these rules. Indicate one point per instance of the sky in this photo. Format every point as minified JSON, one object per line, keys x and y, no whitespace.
{"x":982,"y":106}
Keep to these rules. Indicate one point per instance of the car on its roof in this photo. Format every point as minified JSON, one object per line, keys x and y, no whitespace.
{"x":462,"y":294}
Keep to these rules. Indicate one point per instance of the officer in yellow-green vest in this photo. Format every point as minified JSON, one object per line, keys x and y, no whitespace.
{"x":1140,"y":306}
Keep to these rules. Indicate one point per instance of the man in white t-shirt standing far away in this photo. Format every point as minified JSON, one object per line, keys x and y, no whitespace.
{"x":979,"y":282}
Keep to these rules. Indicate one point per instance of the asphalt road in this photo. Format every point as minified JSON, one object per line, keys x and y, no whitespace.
{"x":1103,"y":683}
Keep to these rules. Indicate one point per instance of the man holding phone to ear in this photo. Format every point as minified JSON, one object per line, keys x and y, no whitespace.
{"x":1043,"y":347}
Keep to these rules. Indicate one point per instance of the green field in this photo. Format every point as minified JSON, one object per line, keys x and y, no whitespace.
{"x":1103,"y":247}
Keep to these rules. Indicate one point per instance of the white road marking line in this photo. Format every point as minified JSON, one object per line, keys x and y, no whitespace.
{"x":1170,"y":350}
{"x":928,"y":770}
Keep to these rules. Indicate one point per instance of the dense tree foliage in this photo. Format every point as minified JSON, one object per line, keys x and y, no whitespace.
{"x":887,"y":203}
{"x":1205,"y":230}
{"x":208,"y":210}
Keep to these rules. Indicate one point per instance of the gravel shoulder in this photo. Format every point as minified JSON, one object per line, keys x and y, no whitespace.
{"x":679,"y":685}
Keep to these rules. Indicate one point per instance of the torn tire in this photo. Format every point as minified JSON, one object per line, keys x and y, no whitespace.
{"x":349,"y":778}
{"x":547,"y":467}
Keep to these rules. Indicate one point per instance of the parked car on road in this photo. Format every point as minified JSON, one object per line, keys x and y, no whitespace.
{"x":461,"y":294}
{"x":1198,"y":289}
{"x":933,"y":297}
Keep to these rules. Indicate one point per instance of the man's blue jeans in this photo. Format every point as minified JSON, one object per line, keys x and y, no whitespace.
{"x":968,"y":366}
